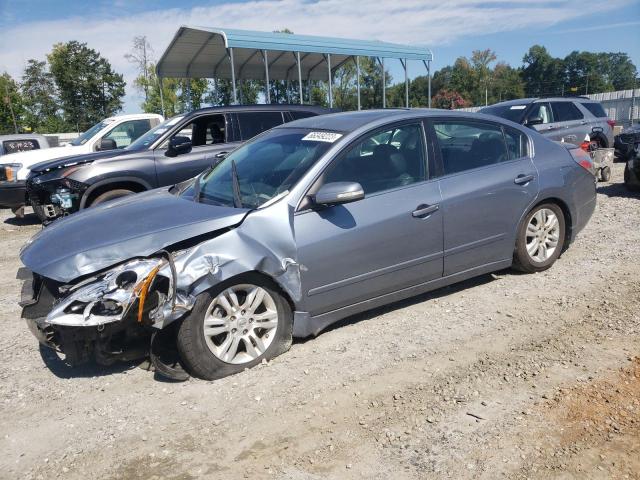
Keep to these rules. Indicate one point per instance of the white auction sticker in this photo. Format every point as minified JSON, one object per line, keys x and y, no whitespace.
{"x":174,"y":120}
{"x":328,"y":137}
{"x":518,"y":107}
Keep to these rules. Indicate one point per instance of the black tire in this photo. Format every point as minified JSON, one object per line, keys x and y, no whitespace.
{"x":605,"y":174}
{"x":111,"y":195}
{"x":627,"y":180}
{"x":200,"y":361}
{"x":521,"y":259}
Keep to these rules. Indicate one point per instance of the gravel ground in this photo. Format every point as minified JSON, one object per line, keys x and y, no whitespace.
{"x":507,"y":375}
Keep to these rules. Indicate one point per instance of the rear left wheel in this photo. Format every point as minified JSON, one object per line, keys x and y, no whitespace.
{"x":540,"y":238}
{"x":233,"y":327}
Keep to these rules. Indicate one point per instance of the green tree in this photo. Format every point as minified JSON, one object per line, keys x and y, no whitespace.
{"x":542,"y":74}
{"x":89,"y":89}
{"x":11,"y":106}
{"x":41,"y":112}
{"x":506,"y":84}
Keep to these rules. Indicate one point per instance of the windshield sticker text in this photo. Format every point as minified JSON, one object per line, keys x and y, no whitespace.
{"x":328,"y":137}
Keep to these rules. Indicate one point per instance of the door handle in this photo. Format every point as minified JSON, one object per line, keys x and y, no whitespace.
{"x":424,"y":210}
{"x":523,"y":179}
{"x":220,"y":155}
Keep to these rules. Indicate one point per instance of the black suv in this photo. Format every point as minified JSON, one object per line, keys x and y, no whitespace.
{"x":176,"y":150}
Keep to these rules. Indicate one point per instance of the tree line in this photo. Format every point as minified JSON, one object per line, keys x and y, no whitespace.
{"x":75,"y":87}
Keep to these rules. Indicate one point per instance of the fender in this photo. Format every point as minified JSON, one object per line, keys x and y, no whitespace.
{"x":107,"y":181}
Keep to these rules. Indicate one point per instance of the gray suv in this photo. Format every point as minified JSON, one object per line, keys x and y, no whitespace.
{"x":563,"y":119}
{"x":176,"y":150}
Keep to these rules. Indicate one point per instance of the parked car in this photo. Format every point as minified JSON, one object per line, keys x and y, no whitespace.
{"x":627,"y":142}
{"x":10,"y":194}
{"x":110,"y":134}
{"x":565,"y":119}
{"x":632,"y":171}
{"x":174,"y":151}
{"x":306,"y":224}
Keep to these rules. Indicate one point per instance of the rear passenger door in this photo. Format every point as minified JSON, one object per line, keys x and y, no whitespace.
{"x":488,"y":181}
{"x":571,"y":124}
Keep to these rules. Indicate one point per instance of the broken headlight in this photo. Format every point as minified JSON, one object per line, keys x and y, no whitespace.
{"x":107,"y":298}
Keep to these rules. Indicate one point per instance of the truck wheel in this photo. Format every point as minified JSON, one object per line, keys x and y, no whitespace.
{"x":234,"y":326}
{"x":111,"y":195}
{"x":605,"y":174}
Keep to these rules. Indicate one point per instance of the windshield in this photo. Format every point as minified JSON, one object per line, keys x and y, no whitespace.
{"x":264,"y":168}
{"x":86,"y":136}
{"x":510,"y":112}
{"x":145,"y":141}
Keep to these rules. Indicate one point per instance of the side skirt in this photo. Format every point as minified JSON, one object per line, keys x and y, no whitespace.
{"x":305,"y":325}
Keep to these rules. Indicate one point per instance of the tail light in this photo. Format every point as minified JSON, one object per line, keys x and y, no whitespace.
{"x":611,"y":123}
{"x":582,"y":158}
{"x":585,"y":146}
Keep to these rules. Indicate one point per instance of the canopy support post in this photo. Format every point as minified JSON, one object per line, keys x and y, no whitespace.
{"x":427,"y":64}
{"x":406,"y":82}
{"x":266,"y":76}
{"x":299,"y":77}
{"x":161,"y":96}
{"x":358,"y":80}
{"x":233,"y":75}
{"x":330,"y":81}
{"x":384,"y":85}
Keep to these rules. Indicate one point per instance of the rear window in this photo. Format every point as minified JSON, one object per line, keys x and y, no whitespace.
{"x":596,"y":109}
{"x":22,"y":145}
{"x":253,"y":123}
{"x":510,"y":112}
{"x":565,"y":111}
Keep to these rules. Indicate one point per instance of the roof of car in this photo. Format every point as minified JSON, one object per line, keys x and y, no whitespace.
{"x":267,"y":107}
{"x":526,"y":101}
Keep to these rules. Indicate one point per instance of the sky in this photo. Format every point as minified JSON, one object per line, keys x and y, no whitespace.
{"x":450,"y":28}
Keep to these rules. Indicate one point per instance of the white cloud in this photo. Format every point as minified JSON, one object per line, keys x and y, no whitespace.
{"x":417,"y":22}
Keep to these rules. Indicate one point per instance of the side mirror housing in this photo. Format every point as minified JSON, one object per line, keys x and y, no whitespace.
{"x":534,"y":121}
{"x":179,"y":146}
{"x":338,"y":192}
{"x":107,"y":144}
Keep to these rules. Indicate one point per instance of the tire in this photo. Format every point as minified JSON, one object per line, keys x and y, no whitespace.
{"x":539,"y":259}
{"x":111,"y":195}
{"x":605,"y":174}
{"x":197,"y":349}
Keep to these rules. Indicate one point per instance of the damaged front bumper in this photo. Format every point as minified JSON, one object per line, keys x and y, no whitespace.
{"x":108,"y":317}
{"x":54,"y":198}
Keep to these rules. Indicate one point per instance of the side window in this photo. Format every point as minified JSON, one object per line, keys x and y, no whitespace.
{"x":204,"y":130}
{"x":253,"y":123}
{"x":517,"y":143}
{"x":125,"y":133}
{"x":595,"y":109}
{"x":541,"y":110}
{"x":384,"y":160}
{"x":466,"y":144}
{"x":565,"y":111}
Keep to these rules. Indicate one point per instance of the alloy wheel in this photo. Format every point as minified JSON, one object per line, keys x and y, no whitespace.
{"x":542,"y":235}
{"x":240,"y":323}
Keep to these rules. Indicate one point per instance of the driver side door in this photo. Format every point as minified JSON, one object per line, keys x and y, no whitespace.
{"x":387,"y":241}
{"x":208,"y":135}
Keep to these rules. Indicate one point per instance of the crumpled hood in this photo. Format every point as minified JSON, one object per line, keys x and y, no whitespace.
{"x":135,"y":226}
{"x":67,"y":161}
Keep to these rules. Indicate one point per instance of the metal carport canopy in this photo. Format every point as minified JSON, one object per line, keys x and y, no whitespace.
{"x":202,"y":52}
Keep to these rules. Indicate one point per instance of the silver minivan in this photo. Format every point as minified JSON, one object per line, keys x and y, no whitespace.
{"x":565,"y":119}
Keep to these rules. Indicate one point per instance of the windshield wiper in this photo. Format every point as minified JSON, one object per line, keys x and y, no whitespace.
{"x":237,"y":199}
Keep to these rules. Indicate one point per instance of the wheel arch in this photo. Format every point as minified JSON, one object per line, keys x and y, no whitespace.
{"x":568,"y":218}
{"x":129,"y":183}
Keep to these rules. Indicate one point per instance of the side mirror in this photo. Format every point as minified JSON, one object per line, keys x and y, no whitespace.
{"x":339,"y":192}
{"x":534,"y":121}
{"x":179,"y":146}
{"x":107,"y":144}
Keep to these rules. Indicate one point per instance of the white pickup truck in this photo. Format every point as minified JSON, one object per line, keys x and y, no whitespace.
{"x":111,"y":133}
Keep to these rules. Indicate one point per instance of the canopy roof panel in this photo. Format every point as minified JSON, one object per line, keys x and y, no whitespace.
{"x":201,"y":52}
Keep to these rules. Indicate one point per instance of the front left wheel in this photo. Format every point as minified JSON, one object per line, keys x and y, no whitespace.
{"x":235,"y":326}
